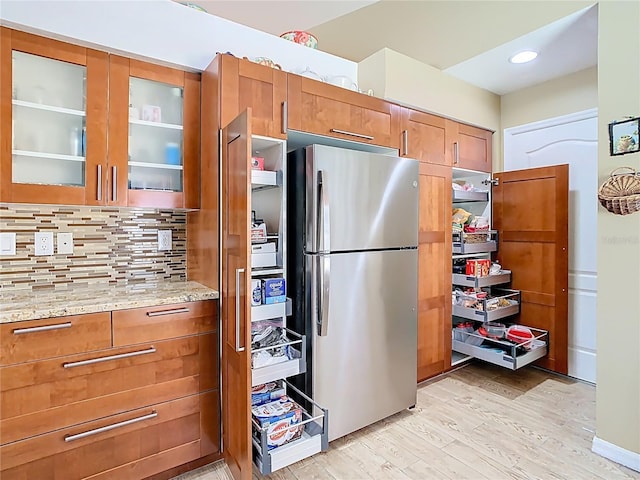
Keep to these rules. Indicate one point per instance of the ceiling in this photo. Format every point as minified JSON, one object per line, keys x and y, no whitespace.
{"x":470,"y":39}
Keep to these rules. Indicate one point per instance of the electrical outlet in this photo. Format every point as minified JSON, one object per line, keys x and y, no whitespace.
{"x":44,"y":243}
{"x":164,"y":240}
{"x":65,"y":243}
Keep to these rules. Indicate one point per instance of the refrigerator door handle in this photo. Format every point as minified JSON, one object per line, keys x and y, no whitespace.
{"x":324,"y":214}
{"x":323,"y":280}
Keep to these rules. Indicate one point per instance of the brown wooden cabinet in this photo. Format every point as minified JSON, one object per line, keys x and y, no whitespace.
{"x":245,"y":84}
{"x":472,"y":147}
{"x":54,"y":118}
{"x":323,"y":109}
{"x":148,"y":395}
{"x":74,"y":133}
{"x":427,"y":138}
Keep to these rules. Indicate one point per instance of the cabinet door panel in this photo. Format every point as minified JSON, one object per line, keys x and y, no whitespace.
{"x":474,"y":148}
{"x":434,"y":271}
{"x":533,"y":242}
{"x":425,"y":137}
{"x":246,"y":84}
{"x":324,"y":109}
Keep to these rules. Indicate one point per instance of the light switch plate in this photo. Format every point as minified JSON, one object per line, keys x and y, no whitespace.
{"x":7,"y":243}
{"x":65,"y":243}
{"x":44,"y":243}
{"x":164,"y":240}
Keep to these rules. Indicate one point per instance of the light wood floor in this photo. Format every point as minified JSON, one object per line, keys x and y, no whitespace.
{"x":478,"y":422}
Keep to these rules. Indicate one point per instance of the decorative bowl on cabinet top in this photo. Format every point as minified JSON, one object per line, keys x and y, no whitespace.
{"x":303,"y":38}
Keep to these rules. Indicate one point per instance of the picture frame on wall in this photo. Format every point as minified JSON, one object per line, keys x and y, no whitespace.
{"x":623,"y":136}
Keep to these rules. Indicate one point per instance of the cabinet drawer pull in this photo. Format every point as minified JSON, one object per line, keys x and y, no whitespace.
{"x":285,"y":117}
{"x":99,"y":192}
{"x":456,"y":153}
{"x":167,"y":312}
{"x":43,"y":328}
{"x":106,"y":428}
{"x":109,"y":358}
{"x":344,"y":132}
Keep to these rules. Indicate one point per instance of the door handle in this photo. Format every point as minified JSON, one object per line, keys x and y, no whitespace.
{"x":324,"y":277}
{"x":324,"y":213}
{"x":405,"y":142}
{"x":120,"y":356}
{"x":167,"y":312}
{"x":106,"y":428}
{"x":114,"y":183}
{"x":285,"y":117}
{"x":358,"y":135}
{"x":99,"y":192}
{"x":456,"y":153}
{"x":43,"y":328}
{"x":238,"y":347}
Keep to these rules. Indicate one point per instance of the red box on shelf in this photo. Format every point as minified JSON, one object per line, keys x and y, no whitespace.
{"x":478,"y":268}
{"x":257,"y":163}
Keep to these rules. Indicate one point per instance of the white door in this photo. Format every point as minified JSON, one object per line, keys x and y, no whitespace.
{"x":571,"y":139}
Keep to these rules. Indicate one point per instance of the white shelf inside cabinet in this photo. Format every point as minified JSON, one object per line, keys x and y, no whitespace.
{"x":53,"y":156}
{"x":165,"y":166}
{"x":48,"y":108}
{"x":259,"y":272}
{"x":462,"y":196}
{"x":271,"y":373}
{"x":146,"y":123}
{"x":266,"y":312}
{"x":264,"y":178}
{"x":288,"y":454}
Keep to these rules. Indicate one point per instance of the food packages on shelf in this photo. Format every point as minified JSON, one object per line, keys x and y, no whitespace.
{"x":267,"y":392}
{"x":280,"y":418}
{"x":459,"y":218}
{"x":268,"y":333}
{"x":478,"y":268}
{"x":273,"y":290}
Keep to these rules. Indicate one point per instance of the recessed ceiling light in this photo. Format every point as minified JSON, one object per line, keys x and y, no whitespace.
{"x":523,"y":57}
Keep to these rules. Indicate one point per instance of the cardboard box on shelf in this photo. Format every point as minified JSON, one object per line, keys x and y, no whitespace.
{"x":280,"y":418}
{"x":274,"y":290}
{"x":478,"y":268}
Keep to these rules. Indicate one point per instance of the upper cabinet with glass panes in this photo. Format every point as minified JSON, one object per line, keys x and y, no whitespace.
{"x":91,"y":128}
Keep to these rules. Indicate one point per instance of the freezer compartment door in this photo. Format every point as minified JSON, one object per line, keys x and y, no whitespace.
{"x":364,"y":363}
{"x":359,"y":200}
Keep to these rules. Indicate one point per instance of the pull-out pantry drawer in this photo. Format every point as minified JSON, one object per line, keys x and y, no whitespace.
{"x":108,"y":443}
{"x":54,"y":337}
{"x":139,"y":325}
{"x":38,"y":397}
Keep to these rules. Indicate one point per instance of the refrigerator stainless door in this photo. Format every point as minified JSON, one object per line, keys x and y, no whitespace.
{"x":364,"y":363}
{"x":359,"y":200}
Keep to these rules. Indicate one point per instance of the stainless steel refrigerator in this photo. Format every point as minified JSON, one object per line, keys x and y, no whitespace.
{"x":352,"y":274}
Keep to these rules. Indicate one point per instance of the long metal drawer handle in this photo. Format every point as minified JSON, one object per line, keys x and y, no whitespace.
{"x":78,"y":436}
{"x":167,"y":312}
{"x":238,"y":272}
{"x":456,"y":153}
{"x":43,"y":328}
{"x":344,"y":132}
{"x":99,"y":192}
{"x":114,"y":183}
{"x":285,"y":117}
{"x":405,"y":142}
{"x":109,"y":358}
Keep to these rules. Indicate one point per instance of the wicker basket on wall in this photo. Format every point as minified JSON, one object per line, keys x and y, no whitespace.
{"x":620,"y":194}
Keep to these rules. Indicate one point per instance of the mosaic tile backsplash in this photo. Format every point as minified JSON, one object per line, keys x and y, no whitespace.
{"x":111,"y":246}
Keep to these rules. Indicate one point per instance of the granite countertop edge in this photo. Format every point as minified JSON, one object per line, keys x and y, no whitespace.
{"x":37,"y":305}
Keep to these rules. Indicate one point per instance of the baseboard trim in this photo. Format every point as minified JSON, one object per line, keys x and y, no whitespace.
{"x":617,"y":454}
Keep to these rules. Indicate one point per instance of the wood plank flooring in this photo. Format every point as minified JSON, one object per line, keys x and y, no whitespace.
{"x":478,"y":422}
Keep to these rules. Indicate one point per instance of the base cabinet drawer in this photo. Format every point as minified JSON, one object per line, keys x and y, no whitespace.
{"x":39,"y":397}
{"x":101,"y":445}
{"x":54,"y":337}
{"x":149,"y":324}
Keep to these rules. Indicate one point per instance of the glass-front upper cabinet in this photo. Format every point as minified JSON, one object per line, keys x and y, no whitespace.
{"x":154,"y":122}
{"x":46,"y":85}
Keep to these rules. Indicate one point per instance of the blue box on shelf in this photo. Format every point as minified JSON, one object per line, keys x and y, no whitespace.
{"x":273,"y":291}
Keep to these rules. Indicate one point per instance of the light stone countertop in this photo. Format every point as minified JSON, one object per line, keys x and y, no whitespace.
{"x":19,"y":305}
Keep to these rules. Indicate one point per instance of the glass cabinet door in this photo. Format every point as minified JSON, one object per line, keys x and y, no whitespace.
{"x":155,"y":141}
{"x":49,"y":121}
